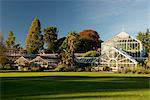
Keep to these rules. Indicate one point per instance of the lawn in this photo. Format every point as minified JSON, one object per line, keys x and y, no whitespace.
{"x":74,"y":86}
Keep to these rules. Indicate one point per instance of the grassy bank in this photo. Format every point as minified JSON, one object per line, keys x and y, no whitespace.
{"x":74,"y":86}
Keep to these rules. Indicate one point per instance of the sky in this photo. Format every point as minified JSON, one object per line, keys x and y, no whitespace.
{"x":107,"y":17}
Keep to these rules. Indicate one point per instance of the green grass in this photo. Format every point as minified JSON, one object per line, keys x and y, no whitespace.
{"x":74,"y":86}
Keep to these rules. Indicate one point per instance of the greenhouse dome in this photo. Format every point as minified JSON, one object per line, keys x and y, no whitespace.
{"x":121,"y":51}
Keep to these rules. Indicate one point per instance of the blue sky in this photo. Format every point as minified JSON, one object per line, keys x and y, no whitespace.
{"x":107,"y":17}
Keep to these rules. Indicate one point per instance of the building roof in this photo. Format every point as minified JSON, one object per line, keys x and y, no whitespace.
{"x":38,"y":58}
{"x":22,"y":59}
{"x":122,"y":35}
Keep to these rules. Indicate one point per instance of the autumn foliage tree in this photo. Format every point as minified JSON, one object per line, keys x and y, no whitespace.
{"x":89,"y":40}
{"x":90,"y":35}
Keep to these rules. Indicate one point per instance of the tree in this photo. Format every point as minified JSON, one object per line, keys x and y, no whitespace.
{"x":92,"y":36}
{"x":64,"y":45}
{"x":144,"y":37}
{"x":68,"y":48}
{"x":3,"y":57}
{"x":17,"y":47}
{"x":1,"y":39}
{"x":84,"y":45}
{"x":59,"y":42}
{"x":148,"y":60}
{"x":91,"y":54}
{"x":50,"y":37}
{"x":10,"y":42}
{"x":34,"y":40}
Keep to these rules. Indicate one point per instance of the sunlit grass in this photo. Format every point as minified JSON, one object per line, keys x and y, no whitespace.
{"x":21,"y":74}
{"x":74,"y":86}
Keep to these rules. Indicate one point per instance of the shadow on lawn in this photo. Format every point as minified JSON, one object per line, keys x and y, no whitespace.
{"x":85,"y":97}
{"x":55,"y":85}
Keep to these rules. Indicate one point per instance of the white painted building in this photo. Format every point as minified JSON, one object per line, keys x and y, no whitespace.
{"x":121,"y":51}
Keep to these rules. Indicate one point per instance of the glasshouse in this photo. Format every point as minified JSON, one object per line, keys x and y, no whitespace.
{"x":121,"y":51}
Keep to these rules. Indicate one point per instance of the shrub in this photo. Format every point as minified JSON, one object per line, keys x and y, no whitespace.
{"x":59,"y":68}
{"x":138,"y":70}
{"x":25,"y":69}
{"x":88,"y":68}
{"x":142,"y":71}
{"x":96,"y":69}
{"x":7,"y":67}
{"x":79,"y":70}
{"x":147,"y":72}
{"x":105,"y":68}
{"x":126,"y":70}
{"x":36,"y":69}
{"x":81,"y":66}
{"x":70,"y":68}
{"x":90,"y":54}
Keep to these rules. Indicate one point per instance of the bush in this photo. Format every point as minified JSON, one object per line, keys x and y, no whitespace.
{"x":70,"y":68}
{"x":88,"y":68}
{"x":7,"y":67}
{"x":64,"y":68}
{"x":126,"y":70}
{"x":96,"y":69}
{"x":79,"y":70}
{"x":36,"y":69}
{"x":91,"y":54}
{"x":59,"y":68}
{"x":105,"y":68}
{"x":142,"y":71}
{"x":138,"y":70}
{"x":24,"y":69}
{"x":81,"y":67}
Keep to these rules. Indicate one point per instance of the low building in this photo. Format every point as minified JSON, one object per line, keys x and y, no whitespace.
{"x":28,"y":61}
{"x":39,"y":62}
{"x":22,"y":62}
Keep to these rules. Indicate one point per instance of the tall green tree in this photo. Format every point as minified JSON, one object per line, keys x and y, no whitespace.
{"x":3,"y":57}
{"x":50,"y":38}
{"x":59,"y":42}
{"x":1,"y":39}
{"x":68,"y":47}
{"x":17,"y":47}
{"x":144,"y":37}
{"x":34,"y":40}
{"x":11,"y":44}
{"x":148,"y":60}
{"x":64,"y":45}
{"x":10,"y":41}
